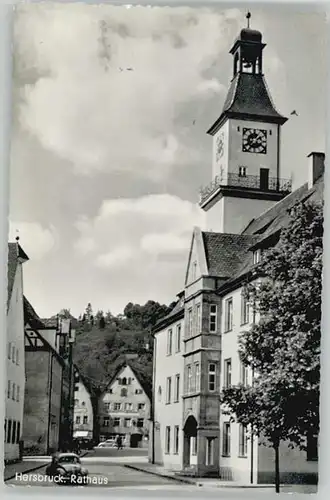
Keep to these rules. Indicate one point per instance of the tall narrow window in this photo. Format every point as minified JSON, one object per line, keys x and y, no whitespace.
{"x":18,"y":432}
{"x":168,"y":389}
{"x":17,"y":356}
{"x":9,"y":350}
{"x":212,"y":374}
{"x":13,"y":352}
{"x":197,"y":377}
{"x":178,"y":338}
{"x":13,"y":395}
{"x":198,"y":319}
{"x":213,"y":318}
{"x":168,"y":439}
{"x":189,"y":379}
{"x":78,"y":419}
{"x":193,"y":445}
{"x":209,"y":451}
{"x":190,"y":322}
{"x":169,"y":342}
{"x":106,"y":421}
{"x":13,"y":432}
{"x":243,"y":374}
{"x":8,"y":389}
{"x":17,"y":393}
{"x":177,"y":388}
{"x":9,"y":431}
{"x":245,"y":309}
{"x":229,"y":314}
{"x":176,"y":439}
{"x":242,"y":445}
{"x":257,"y":256}
{"x":227,"y":373}
{"x":242,"y":171}
{"x":226,"y":439}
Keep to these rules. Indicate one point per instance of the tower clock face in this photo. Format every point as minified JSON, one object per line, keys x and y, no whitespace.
{"x":254,"y":140}
{"x":220,"y":144}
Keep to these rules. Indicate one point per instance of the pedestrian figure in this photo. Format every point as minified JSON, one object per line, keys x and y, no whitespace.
{"x":119,"y":443}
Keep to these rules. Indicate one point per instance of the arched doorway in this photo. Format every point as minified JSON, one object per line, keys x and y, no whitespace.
{"x":189,"y":441}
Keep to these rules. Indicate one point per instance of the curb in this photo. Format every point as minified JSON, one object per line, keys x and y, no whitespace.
{"x":167,"y":476}
{"x":32,"y":469}
{"x":201,"y":484}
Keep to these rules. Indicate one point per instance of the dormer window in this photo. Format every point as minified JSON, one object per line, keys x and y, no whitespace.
{"x":257,"y":256}
{"x":242,"y":171}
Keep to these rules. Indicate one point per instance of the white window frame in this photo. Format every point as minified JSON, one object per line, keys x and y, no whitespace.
{"x":227,"y":372}
{"x":177,"y":388}
{"x":229,"y":312}
{"x":212,"y":373}
{"x":189,"y":379}
{"x":213,"y":318}
{"x":106,"y":421}
{"x":115,"y":420}
{"x":245,"y":309}
{"x":178,"y":338}
{"x":243,"y":374}
{"x":209,"y":459}
{"x":168,"y":390}
{"x":197,"y":377}
{"x":198,"y":318}
{"x":176,"y":439}
{"x":242,"y":171}
{"x":169,"y":341}
{"x":257,"y":256}
{"x":127,"y":422}
{"x":167,"y":440}
{"x":190,"y":321}
{"x":242,"y":441}
{"x":226,"y":439}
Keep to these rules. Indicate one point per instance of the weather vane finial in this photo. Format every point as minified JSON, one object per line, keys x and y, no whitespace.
{"x":248,"y":17}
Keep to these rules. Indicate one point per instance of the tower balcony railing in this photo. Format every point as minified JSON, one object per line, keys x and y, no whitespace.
{"x":250,"y":182}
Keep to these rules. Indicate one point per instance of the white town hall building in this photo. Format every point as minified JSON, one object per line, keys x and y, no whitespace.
{"x":196,"y":345}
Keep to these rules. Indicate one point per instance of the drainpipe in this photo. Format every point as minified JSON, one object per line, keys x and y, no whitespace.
{"x":153,"y":402}
{"x":50,"y":388}
{"x":252,"y":443}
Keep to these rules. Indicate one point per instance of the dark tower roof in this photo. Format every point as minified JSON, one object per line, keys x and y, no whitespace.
{"x":248,"y":96}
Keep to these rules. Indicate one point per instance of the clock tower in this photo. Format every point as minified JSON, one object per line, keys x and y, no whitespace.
{"x":246,"y":175}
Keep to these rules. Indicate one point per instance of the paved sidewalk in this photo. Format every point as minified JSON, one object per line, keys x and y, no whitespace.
{"x":23,"y":467}
{"x":218,"y":483}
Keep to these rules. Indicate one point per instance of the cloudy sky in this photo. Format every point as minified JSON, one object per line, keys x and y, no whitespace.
{"x":106,"y":162}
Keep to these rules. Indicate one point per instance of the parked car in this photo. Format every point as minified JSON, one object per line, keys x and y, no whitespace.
{"x":67,"y":466}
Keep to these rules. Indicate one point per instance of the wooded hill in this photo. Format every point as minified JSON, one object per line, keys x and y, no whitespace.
{"x":104,"y":342}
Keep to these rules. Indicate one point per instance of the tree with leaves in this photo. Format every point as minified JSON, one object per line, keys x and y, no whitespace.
{"x":283,"y":348}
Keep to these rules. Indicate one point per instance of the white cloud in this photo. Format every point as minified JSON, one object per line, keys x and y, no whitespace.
{"x":36,"y":240}
{"x":83,"y":108}
{"x":145,"y":231}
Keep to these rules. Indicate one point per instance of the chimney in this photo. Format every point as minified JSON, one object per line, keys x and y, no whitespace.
{"x":315,"y":168}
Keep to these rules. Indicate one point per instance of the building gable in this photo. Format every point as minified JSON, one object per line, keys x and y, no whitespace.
{"x":197,"y":265}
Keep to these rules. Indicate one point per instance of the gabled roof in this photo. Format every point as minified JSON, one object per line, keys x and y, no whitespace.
{"x":15,"y":252}
{"x":140,"y":376}
{"x":270,"y":223}
{"x":30,"y":316}
{"x":176,"y":313}
{"x":277,"y":216}
{"x":248,"y":96}
{"x":225,"y":253}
